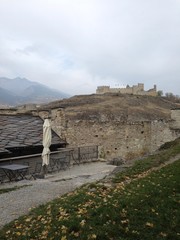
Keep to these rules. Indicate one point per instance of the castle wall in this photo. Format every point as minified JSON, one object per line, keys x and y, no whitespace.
{"x":103,"y":89}
{"x":121,"y":90}
{"x":114,"y":138}
{"x":175,"y":116}
{"x":161,"y":133}
{"x":125,"y":139}
{"x":8,"y":111}
{"x":136,"y":90}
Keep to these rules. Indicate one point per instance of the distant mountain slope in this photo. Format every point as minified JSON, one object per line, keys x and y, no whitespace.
{"x":21,"y":90}
{"x":7,"y":97}
{"x":16,"y":85}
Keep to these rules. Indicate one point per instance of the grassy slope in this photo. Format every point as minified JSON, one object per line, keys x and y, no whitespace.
{"x":167,"y":151}
{"x":146,"y":208}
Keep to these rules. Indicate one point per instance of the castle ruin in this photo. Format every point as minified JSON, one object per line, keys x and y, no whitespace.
{"x":135,"y":90}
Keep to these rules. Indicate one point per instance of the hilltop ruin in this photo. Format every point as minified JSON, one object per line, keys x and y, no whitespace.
{"x":135,"y":90}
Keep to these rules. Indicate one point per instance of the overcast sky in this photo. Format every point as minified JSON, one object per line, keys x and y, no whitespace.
{"x":77,"y":45}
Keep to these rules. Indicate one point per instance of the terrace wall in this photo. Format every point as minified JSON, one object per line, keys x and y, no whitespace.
{"x":117,"y":138}
{"x":125,"y":139}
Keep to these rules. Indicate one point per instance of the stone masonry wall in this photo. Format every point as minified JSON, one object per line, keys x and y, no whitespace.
{"x":175,"y":116}
{"x":114,"y":138}
{"x":136,"y":90}
{"x":125,"y":139}
{"x":161,"y":133}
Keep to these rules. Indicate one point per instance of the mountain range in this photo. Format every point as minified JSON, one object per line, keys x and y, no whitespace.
{"x":19,"y":91}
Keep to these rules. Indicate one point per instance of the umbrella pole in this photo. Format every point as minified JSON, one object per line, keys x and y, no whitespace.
{"x":46,"y":145}
{"x":45,"y":169}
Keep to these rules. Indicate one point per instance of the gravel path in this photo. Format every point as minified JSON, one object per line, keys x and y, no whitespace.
{"x":19,"y":202}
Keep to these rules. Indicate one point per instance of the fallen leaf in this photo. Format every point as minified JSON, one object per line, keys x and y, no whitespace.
{"x":148,"y":224}
{"x":82,"y":223}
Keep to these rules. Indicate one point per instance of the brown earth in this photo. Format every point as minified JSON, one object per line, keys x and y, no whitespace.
{"x":115,"y":107}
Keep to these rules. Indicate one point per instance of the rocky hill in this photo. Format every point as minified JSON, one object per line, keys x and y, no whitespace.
{"x":115,"y":107}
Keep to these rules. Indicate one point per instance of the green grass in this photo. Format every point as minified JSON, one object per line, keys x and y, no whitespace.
{"x":146,"y":208}
{"x":168,"y":151}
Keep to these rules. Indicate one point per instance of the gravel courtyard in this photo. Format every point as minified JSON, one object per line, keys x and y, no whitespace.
{"x":39,"y":191}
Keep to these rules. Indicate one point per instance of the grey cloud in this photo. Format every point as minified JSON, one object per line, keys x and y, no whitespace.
{"x":77,"y":45}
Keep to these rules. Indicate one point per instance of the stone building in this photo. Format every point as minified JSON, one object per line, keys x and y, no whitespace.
{"x":135,"y":90}
{"x":22,"y":134}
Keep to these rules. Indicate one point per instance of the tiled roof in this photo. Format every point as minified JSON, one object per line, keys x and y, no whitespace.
{"x":22,"y":131}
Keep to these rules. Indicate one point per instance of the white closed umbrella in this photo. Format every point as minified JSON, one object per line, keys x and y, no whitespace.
{"x":46,"y":142}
